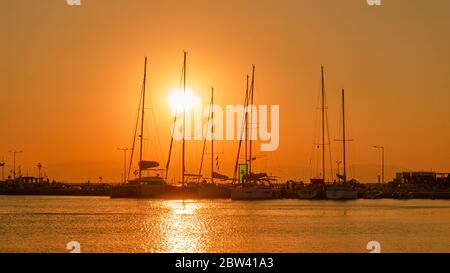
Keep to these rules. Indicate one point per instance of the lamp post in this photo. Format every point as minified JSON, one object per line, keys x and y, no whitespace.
{"x":14,"y":153}
{"x":39,"y":166}
{"x":124,"y":150}
{"x":382,"y":161}
{"x":2,"y":164}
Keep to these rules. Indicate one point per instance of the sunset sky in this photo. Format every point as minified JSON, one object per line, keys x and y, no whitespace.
{"x":70,"y":79}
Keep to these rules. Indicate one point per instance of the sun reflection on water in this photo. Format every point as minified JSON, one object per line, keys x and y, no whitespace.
{"x":180,"y":228}
{"x":184,"y":207}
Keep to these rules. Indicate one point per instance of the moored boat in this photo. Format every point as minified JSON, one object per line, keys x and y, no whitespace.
{"x":344,"y":190}
{"x":189,"y":191}
{"x":253,"y":186}
{"x":146,"y":187}
{"x":402,"y":195}
{"x":212,"y":189}
{"x":341,"y":192}
{"x":307,"y":193}
{"x":373,"y":194}
{"x":256,"y":192}
{"x":315,"y":190}
{"x":209,"y":190}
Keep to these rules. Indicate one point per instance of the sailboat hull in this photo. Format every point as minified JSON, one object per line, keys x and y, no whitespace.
{"x":213,"y":191}
{"x":181,"y":193}
{"x":308,"y":194}
{"x":342,"y":194}
{"x":255,"y":193}
{"x":138,"y":191}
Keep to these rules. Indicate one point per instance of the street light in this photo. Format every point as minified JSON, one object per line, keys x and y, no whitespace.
{"x":15,"y":152}
{"x":2,"y":164}
{"x":382,"y":161}
{"x":124,"y":150}
{"x":39,"y":166}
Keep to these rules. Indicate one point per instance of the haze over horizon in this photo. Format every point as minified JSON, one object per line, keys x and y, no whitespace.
{"x":70,"y":79}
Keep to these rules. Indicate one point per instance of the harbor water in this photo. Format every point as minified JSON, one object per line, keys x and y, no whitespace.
{"x":101,"y":224}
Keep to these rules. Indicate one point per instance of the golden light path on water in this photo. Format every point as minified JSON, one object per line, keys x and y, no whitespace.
{"x":104,"y":225}
{"x":182,"y":230}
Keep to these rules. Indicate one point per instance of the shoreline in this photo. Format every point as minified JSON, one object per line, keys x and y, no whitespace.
{"x":416,"y":196}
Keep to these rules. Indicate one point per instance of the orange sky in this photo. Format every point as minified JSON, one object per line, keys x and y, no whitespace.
{"x":70,"y":78}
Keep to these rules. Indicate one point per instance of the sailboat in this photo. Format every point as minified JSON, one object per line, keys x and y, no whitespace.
{"x":345,"y":190}
{"x":254,"y":186}
{"x":150,"y":186}
{"x":212,"y":189}
{"x":316,"y":189}
{"x":186,"y":190}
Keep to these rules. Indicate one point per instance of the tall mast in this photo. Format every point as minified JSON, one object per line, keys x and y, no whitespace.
{"x":323,"y":126}
{"x":246,"y":123}
{"x":184,"y":122}
{"x":142,"y":119}
{"x":251,"y":118}
{"x":343,"y":134}
{"x":240,"y":139}
{"x":212,"y":135}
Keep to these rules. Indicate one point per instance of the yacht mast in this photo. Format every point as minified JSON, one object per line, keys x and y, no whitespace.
{"x":242,"y":132}
{"x":323,"y":126}
{"x":212,"y":136}
{"x":251,"y":119}
{"x":343,"y":134}
{"x":184,"y":123}
{"x":246,"y":123}
{"x":142,"y":120}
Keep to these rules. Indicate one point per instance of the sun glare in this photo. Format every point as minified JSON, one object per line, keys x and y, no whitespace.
{"x":180,"y":101}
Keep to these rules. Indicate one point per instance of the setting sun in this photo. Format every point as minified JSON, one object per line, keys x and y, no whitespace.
{"x":180,"y":101}
{"x":248,"y":130}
